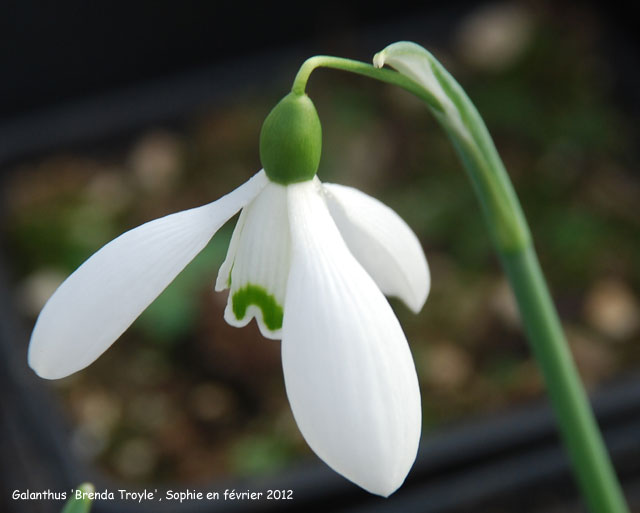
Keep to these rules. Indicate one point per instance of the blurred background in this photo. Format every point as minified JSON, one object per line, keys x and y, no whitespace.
{"x":110,"y":117}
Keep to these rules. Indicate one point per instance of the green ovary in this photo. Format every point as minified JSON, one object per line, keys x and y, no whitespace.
{"x":255,"y":295}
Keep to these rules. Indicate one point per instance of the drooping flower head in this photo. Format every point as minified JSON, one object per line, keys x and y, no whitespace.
{"x":310,"y":262}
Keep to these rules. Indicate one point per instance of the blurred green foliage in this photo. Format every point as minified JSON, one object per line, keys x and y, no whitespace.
{"x":82,"y":505}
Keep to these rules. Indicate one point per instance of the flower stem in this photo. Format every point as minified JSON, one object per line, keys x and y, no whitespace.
{"x":579,"y":430}
{"x":510,"y":233}
{"x":361,"y":68}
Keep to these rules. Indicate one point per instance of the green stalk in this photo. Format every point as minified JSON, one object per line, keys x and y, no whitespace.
{"x":361,"y":68}
{"x":82,"y":504}
{"x":511,"y":235}
{"x":579,"y":430}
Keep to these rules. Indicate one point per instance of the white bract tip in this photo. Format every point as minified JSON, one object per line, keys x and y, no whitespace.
{"x":417,"y":63}
{"x":378,"y":59}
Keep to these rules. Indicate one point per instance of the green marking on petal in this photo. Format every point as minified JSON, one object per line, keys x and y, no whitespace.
{"x":272,"y":312}
{"x":229,"y":277}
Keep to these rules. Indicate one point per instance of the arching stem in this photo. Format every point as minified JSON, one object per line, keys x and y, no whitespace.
{"x":360,"y":68}
{"x":511,"y":236}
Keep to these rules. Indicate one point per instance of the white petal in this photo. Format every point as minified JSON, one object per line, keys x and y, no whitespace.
{"x":223,"y":281}
{"x":257,"y":264}
{"x":101,"y":299}
{"x":382,"y":242}
{"x":348,"y":370}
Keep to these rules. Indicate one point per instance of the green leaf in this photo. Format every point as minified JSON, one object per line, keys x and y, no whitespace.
{"x":80,"y":505}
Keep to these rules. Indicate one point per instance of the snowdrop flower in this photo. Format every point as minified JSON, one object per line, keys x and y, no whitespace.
{"x":309,"y":262}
